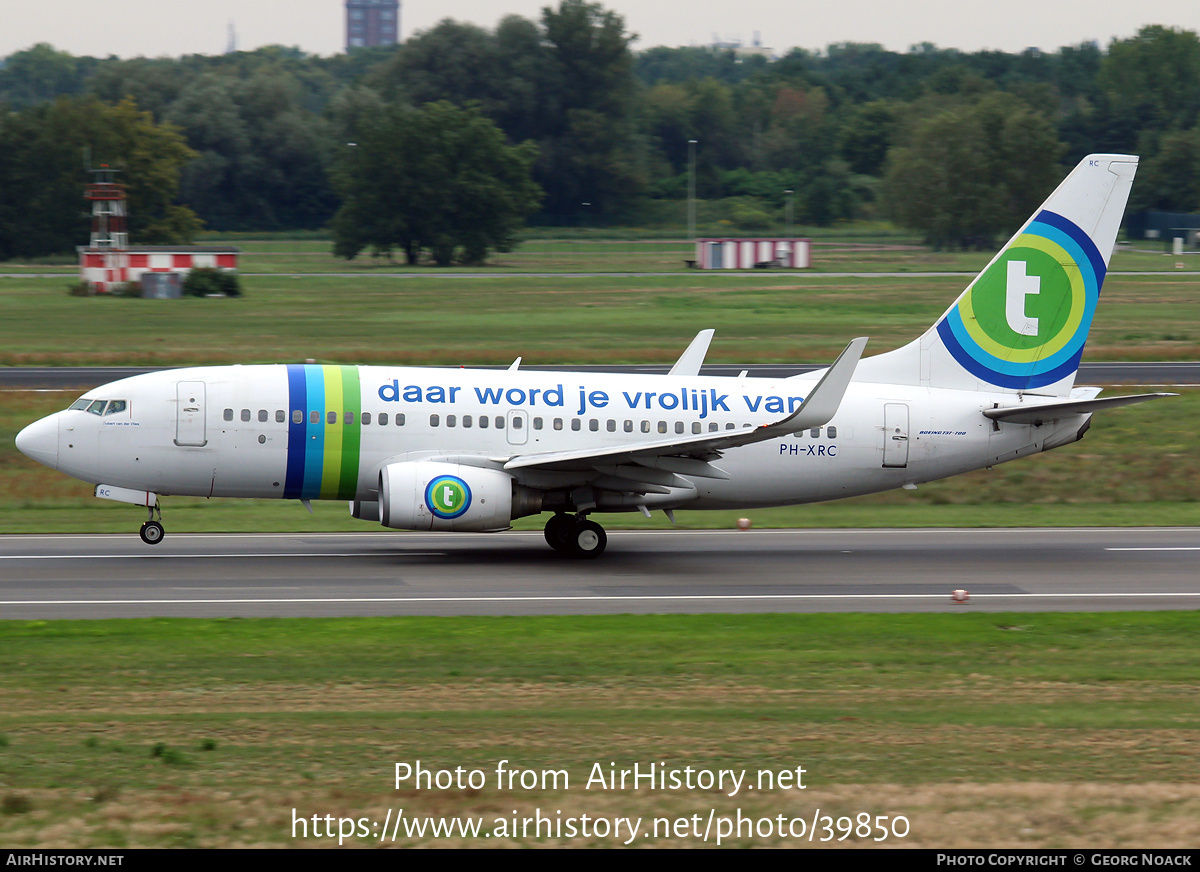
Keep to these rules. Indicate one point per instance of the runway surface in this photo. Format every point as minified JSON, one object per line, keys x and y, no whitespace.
{"x":1174,"y":373}
{"x":80,"y":576}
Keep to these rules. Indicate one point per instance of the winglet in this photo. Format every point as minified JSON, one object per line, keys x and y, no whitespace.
{"x":692,"y":359}
{"x":823,"y":401}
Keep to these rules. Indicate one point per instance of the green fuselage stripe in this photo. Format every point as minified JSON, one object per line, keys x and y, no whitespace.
{"x":351,"y":433}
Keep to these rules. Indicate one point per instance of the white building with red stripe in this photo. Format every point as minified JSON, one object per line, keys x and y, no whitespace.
{"x":751,"y":253}
{"x":108,"y":260}
{"x":103,"y":267}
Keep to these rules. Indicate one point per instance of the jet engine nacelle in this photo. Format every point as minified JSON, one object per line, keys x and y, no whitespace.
{"x":427,"y":495}
{"x":366,"y":510}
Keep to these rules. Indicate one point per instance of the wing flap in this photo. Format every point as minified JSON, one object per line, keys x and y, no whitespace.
{"x":643,"y":475}
{"x":624,"y":485}
{"x":684,"y":466}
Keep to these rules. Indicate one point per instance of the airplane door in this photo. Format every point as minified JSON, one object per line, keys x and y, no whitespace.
{"x":895,"y":435}
{"x":518,"y":428}
{"x":189,"y":421}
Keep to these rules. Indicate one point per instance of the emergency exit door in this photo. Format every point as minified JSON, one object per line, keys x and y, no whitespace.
{"x":895,"y":435}
{"x":189,"y":420}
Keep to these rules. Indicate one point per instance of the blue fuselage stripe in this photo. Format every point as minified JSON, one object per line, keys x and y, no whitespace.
{"x":297,"y":433}
{"x":314,"y":444}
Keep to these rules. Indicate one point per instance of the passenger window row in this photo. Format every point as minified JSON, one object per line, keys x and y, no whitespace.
{"x":815,"y":432}
{"x":482,"y":422}
{"x":593,"y":424}
{"x":263,"y":415}
{"x":469,"y":421}
{"x":314,"y":417}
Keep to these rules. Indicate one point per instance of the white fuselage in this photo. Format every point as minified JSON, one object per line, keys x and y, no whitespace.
{"x":325,"y":432}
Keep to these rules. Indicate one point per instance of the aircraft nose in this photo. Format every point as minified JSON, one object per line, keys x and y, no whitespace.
{"x":39,"y":441}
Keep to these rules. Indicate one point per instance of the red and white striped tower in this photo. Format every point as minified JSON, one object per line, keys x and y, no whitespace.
{"x":109,"y":228}
{"x":107,"y":254}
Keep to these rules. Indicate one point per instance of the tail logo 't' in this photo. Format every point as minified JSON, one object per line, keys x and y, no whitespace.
{"x":1024,"y":321}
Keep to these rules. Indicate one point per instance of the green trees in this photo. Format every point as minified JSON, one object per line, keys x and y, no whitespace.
{"x":565,"y":84}
{"x":611,"y":128}
{"x":1170,"y":180}
{"x":439,"y":178}
{"x":973,"y":171}
{"x":261,"y":162}
{"x":586,"y":148}
{"x":40,"y":74}
{"x":152,"y":157}
{"x":48,"y":150}
{"x":1155,"y":76}
{"x":202,"y":281}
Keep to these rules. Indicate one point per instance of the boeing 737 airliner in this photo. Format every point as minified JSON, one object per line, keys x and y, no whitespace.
{"x":470,"y":450}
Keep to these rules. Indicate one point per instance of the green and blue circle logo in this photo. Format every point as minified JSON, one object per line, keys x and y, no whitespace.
{"x":1024,"y":321}
{"x":448,"y":497}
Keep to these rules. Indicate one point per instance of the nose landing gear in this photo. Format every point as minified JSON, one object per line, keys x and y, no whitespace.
{"x":576,"y":535}
{"x":152,"y":531}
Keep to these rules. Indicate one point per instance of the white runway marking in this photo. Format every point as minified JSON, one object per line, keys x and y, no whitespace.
{"x":561,"y":599}
{"x":161,"y":556}
{"x":396,"y":536}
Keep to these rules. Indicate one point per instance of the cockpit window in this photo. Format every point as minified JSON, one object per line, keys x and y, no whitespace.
{"x":99,"y":407}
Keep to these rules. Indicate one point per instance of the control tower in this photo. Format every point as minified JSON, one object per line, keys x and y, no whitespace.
{"x":110,"y":229}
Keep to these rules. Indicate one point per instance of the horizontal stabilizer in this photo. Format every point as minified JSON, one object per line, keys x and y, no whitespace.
{"x":1044,"y":412}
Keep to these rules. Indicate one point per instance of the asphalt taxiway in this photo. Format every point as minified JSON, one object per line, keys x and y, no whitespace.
{"x":93,"y":576}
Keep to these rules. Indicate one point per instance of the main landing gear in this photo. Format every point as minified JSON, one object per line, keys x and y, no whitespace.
{"x":576,"y":535}
{"x":152,"y":531}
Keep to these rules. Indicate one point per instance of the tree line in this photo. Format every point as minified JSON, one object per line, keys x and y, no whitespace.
{"x":579,"y":128}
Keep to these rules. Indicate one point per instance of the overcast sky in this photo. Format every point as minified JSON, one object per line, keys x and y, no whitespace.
{"x":154,"y":28}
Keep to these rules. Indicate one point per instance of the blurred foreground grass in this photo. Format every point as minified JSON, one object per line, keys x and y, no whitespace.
{"x":1032,"y":730}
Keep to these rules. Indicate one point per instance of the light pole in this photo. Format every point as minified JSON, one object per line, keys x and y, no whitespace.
{"x":789,"y":213}
{"x":691,"y":190}
{"x":582,"y":236}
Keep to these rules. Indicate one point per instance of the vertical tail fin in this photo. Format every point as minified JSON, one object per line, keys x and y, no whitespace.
{"x":1022,"y":323}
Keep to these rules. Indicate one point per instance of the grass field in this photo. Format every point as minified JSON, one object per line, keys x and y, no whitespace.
{"x":1031,"y":730}
{"x":440,"y":319}
{"x":859,"y":249}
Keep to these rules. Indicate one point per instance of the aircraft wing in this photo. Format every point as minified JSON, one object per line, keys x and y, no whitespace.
{"x":690,"y":455}
{"x":1030,"y":413}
